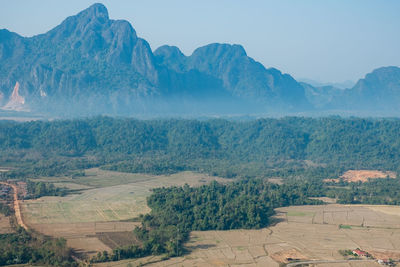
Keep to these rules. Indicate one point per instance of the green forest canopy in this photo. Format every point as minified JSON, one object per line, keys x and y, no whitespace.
{"x":219,"y":147}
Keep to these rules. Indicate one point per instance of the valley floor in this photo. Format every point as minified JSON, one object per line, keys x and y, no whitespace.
{"x":306,"y":233}
{"x":97,"y":220}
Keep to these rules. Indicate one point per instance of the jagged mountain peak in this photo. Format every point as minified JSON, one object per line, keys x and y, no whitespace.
{"x":96,"y":10}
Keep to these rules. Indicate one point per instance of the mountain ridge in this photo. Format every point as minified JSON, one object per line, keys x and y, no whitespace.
{"x":90,"y":64}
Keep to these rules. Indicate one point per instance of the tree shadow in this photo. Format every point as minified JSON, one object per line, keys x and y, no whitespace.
{"x":275,"y":220}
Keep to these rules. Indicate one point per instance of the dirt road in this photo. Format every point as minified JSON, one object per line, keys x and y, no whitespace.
{"x":17,"y":208}
{"x":316,"y":262}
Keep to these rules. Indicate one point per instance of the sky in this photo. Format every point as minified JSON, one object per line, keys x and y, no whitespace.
{"x":322,"y":40}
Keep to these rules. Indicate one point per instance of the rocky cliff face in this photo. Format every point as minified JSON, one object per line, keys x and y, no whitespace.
{"x":15,"y":102}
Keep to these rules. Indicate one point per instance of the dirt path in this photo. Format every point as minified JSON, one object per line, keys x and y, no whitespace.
{"x":17,"y":208}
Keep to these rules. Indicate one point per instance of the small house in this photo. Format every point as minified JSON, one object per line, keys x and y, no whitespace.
{"x":360,"y":253}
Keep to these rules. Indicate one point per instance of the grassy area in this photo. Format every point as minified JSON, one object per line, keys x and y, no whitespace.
{"x":104,"y":196}
{"x":344,"y":226}
{"x":300,"y":213}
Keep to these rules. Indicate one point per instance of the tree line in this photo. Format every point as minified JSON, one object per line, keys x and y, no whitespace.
{"x":253,"y":148}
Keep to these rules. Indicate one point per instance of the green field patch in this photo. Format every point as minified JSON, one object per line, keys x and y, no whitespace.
{"x":300,"y":213}
{"x":344,"y":226}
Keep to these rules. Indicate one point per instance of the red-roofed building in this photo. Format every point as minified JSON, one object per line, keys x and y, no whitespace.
{"x":360,"y":253}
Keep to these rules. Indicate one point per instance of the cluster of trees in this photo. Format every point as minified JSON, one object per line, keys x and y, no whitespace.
{"x":175,"y":211}
{"x":40,"y":189}
{"x":5,"y":209}
{"x":221,"y":147}
{"x":375,"y":191}
{"x":127,"y":252}
{"x":23,"y":247}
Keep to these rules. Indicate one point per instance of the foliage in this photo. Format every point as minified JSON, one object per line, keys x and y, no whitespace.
{"x":258,"y":148}
{"x":5,"y":209}
{"x":40,"y":189}
{"x":23,"y":247}
{"x":375,"y":191}
{"x":346,"y":252}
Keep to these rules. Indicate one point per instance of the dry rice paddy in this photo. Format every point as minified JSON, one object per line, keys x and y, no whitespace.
{"x":302,"y":232}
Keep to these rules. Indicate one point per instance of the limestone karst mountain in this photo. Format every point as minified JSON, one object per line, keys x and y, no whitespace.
{"x":90,"y":64}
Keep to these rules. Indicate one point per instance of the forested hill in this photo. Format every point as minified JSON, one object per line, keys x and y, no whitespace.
{"x":220,"y":147}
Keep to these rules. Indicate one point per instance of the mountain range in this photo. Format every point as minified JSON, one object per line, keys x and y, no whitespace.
{"x":90,"y":64}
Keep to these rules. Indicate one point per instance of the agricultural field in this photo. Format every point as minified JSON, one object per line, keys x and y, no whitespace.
{"x":98,"y":217}
{"x":104,"y":202}
{"x":300,"y":232}
{"x":104,"y":196}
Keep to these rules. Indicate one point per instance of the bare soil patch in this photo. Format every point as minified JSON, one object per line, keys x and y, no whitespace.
{"x":275,"y":180}
{"x":363,"y":175}
{"x":327,"y":200}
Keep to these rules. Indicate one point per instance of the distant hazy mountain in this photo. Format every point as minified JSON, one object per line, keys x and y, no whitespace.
{"x":378,"y":94}
{"x":379,"y":90}
{"x":91,"y":64}
{"x":321,"y":97}
{"x":338,"y":85}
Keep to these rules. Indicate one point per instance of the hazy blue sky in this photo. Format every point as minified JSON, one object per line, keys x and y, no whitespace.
{"x":324,"y":40}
